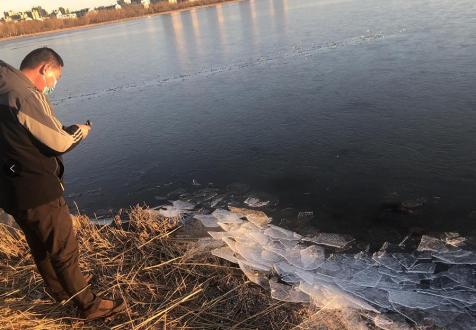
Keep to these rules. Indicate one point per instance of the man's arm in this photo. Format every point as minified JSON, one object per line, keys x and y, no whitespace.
{"x":38,"y":118}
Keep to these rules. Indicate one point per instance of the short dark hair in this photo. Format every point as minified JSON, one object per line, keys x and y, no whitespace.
{"x":39,"y":56}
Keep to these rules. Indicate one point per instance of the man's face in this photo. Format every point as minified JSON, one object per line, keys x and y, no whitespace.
{"x":51,"y":75}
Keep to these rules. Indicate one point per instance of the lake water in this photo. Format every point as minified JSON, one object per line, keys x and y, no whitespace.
{"x":340,"y":107}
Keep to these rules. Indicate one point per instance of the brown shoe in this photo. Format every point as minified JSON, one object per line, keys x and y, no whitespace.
{"x":104,"y":309}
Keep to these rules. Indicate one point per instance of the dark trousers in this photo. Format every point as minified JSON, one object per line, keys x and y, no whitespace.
{"x":49,"y":232}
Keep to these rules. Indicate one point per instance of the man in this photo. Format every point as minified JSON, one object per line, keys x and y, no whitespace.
{"x":32,"y":141}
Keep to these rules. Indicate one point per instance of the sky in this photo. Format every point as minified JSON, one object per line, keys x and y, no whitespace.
{"x":22,"y":5}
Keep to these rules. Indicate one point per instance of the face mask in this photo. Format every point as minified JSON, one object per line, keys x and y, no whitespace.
{"x":49,"y":90}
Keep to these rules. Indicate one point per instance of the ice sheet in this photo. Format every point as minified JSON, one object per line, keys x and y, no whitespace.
{"x":392,"y":279}
{"x":255,"y":202}
{"x":225,"y":253}
{"x":228,"y":217}
{"x":281,"y":233}
{"x":259,"y":218}
{"x":208,"y":220}
{"x":331,"y":239}
{"x":287,"y":293}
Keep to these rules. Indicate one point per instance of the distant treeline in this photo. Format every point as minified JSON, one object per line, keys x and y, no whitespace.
{"x":11,"y":29}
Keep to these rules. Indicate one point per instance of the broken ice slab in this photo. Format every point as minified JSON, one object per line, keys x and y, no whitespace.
{"x":333,"y":297}
{"x":215,"y":202}
{"x":387,"y":260}
{"x":225,"y":216}
{"x":255,"y":276}
{"x":209,"y":243}
{"x":377,"y":297}
{"x":287,"y":293}
{"x":259,"y":218}
{"x":331,"y":239}
{"x":443,"y":283}
{"x":464,"y":275}
{"x":428,"y":243}
{"x":423,"y":268}
{"x":250,"y":254}
{"x":208,"y":220}
{"x":454,"y":239}
{"x":218,"y":235}
{"x":183,"y":205}
{"x":102,"y":221}
{"x":432,"y":317}
{"x":308,"y":259}
{"x":225,"y":253}
{"x":468,"y":297}
{"x":176,"y":210}
{"x":281,"y":233}
{"x":287,"y":273}
{"x":407,"y":260}
{"x":255,"y":202}
{"x":459,"y":257}
{"x":413,"y":299}
{"x":368,"y":277}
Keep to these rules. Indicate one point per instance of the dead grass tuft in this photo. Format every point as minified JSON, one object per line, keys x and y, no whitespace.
{"x":168,"y":282}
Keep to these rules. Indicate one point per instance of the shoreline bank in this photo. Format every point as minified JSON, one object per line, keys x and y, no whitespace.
{"x":80,"y":27}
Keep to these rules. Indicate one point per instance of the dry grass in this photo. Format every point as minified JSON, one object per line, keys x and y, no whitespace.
{"x":168,"y":282}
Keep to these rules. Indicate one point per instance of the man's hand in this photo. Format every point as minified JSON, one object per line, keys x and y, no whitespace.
{"x":84,"y":129}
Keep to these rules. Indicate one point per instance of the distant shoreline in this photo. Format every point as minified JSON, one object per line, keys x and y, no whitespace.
{"x":79,"y":27}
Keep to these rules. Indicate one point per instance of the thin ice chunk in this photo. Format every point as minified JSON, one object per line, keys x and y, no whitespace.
{"x":368,"y":277}
{"x":259,"y":218}
{"x":255,"y":202}
{"x":443,"y":283}
{"x":459,"y":257}
{"x":215,"y":202}
{"x":287,"y":293}
{"x":254,"y":272}
{"x":218,"y":235}
{"x":166,"y":211}
{"x":467,"y":297}
{"x":286,"y":272}
{"x":228,"y":217}
{"x":230,"y":227}
{"x":405,"y":259}
{"x":307,"y":259}
{"x":428,"y":243}
{"x":464,"y":275}
{"x":103,"y":221}
{"x":423,"y":268}
{"x":225,"y":253}
{"x":207,"y":220}
{"x":258,"y":237}
{"x":413,"y":299}
{"x":209,"y":243}
{"x":183,"y":205}
{"x":331,"y":239}
{"x":454,"y":239}
{"x":387,"y":259}
{"x":374,"y":296}
{"x":281,"y":233}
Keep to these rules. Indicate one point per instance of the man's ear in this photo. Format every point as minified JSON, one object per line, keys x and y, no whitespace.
{"x":43,"y":68}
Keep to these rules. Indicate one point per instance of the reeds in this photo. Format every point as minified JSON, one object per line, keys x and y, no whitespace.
{"x":168,"y":282}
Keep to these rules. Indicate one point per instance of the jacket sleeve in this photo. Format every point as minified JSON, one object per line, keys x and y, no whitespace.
{"x":36,"y":115}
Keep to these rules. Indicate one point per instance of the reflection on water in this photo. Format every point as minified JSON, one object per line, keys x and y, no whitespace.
{"x":345,"y":108}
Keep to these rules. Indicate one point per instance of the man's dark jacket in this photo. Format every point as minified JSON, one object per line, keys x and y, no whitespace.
{"x":31,"y":142}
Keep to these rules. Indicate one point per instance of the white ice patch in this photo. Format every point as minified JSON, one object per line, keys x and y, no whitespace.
{"x":409,"y":284}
